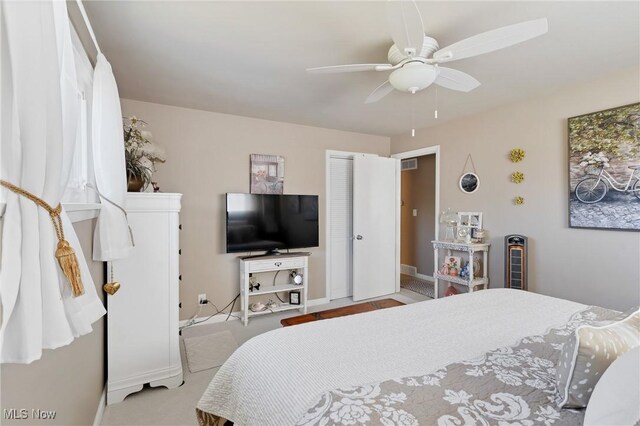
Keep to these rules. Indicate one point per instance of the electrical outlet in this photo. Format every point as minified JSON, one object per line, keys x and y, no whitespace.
{"x":202,"y":299}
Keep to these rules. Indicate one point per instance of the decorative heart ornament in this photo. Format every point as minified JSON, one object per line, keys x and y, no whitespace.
{"x":111,"y":288}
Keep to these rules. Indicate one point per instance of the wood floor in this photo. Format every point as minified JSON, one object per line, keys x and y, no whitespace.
{"x":358,"y":308}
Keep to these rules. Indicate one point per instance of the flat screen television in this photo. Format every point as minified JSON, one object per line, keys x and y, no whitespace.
{"x":268,"y":222}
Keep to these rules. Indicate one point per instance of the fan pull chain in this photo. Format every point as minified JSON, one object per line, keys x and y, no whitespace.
{"x":413,"y":122}
{"x":413,"y":117}
{"x":435,"y":114}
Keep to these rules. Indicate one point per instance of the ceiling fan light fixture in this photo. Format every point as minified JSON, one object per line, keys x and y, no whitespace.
{"x":413,"y":77}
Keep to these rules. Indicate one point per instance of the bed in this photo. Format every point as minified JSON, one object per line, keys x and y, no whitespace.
{"x":480,"y":358}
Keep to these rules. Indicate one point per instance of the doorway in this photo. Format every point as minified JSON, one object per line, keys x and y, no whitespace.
{"x":419,"y":206}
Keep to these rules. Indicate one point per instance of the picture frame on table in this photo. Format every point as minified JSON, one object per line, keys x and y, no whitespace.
{"x":294,"y":297}
{"x":470,"y":219}
{"x":468,"y":223}
{"x":452,"y":265}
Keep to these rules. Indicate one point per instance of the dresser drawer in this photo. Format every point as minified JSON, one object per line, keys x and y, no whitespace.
{"x":275,"y":264}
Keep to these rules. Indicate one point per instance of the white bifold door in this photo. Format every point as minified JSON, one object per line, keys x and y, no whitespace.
{"x":376,"y":209}
{"x":341,"y":226}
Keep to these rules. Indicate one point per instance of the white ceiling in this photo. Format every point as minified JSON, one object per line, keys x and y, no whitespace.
{"x":249,"y":58}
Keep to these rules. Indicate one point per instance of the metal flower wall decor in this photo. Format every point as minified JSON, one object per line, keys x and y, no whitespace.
{"x":516,"y":155}
{"x":517,"y":177}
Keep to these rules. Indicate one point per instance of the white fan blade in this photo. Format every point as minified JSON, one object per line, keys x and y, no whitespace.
{"x":350,"y":68}
{"x":405,"y":26}
{"x":492,"y":40}
{"x":456,"y":80}
{"x":381,"y":91}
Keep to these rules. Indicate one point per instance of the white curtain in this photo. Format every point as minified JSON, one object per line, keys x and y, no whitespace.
{"x":112,"y":239}
{"x":40,"y":107}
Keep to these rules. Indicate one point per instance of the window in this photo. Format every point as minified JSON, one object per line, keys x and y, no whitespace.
{"x":79,"y":197}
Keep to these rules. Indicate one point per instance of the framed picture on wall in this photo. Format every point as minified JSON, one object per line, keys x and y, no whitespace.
{"x":604,"y":169}
{"x":267,"y":174}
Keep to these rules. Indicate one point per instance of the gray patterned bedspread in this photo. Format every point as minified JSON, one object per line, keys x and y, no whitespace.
{"x":507,"y":386}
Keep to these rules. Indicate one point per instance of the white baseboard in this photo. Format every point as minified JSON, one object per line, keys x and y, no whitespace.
{"x":97,"y":420}
{"x":408,"y":270}
{"x":222,"y":317}
{"x":413,"y":271}
{"x":213,"y":320}
{"x":425,"y":277}
{"x":316,"y":302}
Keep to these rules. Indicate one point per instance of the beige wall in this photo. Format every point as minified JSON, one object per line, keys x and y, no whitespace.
{"x":590,"y":266}
{"x":68,"y":380}
{"x":208,"y":156}
{"x":418,"y":192}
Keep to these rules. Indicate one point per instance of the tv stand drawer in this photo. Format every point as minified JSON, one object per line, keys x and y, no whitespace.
{"x":275,"y":264}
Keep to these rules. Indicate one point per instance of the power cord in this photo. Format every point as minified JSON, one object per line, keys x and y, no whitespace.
{"x":274,"y":284}
{"x":193,"y":318}
{"x":192,"y":321}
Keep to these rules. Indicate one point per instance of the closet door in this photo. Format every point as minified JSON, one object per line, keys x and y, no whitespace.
{"x":375,"y":219}
{"x":340,"y":227}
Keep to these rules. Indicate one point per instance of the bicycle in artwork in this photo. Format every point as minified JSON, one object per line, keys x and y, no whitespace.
{"x":593,"y":189}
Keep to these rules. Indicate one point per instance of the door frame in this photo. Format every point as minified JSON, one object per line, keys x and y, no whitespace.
{"x":430,"y":150}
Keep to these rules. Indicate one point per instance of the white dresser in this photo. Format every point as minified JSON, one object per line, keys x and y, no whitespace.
{"x":142,"y":317}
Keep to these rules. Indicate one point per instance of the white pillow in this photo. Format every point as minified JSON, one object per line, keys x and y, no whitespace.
{"x":616,"y":396}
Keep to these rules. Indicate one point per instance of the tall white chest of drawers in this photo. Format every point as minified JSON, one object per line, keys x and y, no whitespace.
{"x":142,"y":317}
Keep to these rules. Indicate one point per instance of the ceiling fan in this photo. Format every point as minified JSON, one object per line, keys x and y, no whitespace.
{"x":415,"y":58}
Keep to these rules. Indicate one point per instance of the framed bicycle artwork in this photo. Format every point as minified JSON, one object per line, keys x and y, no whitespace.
{"x":604,"y":169}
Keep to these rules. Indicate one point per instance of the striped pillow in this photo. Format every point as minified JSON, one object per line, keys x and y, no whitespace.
{"x":587,"y":355}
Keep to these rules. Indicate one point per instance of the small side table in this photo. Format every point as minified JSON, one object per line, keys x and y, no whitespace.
{"x":470,"y":248}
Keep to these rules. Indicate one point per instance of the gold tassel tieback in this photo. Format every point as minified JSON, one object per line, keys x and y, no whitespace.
{"x":64,"y":253}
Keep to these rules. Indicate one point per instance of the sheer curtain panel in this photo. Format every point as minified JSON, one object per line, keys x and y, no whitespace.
{"x":112,"y":239}
{"x":40,"y":105}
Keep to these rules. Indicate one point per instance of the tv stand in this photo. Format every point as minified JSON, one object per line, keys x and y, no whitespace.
{"x":254,"y":265}
{"x":270,"y":255}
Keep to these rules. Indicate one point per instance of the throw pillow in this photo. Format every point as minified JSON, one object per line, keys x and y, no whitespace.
{"x":587,"y":355}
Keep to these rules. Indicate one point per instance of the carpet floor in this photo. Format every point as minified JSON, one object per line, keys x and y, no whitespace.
{"x":426,"y":288}
{"x":162,"y":406}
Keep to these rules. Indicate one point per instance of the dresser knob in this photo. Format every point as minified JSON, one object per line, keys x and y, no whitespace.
{"x":180,"y":251}
{"x":180,"y":227}
{"x":180,"y":277}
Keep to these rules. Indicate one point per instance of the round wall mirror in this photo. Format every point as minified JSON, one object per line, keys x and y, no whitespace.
{"x":469,"y":182}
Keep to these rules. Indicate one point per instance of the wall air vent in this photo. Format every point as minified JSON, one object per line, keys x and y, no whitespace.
{"x":409,"y":164}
